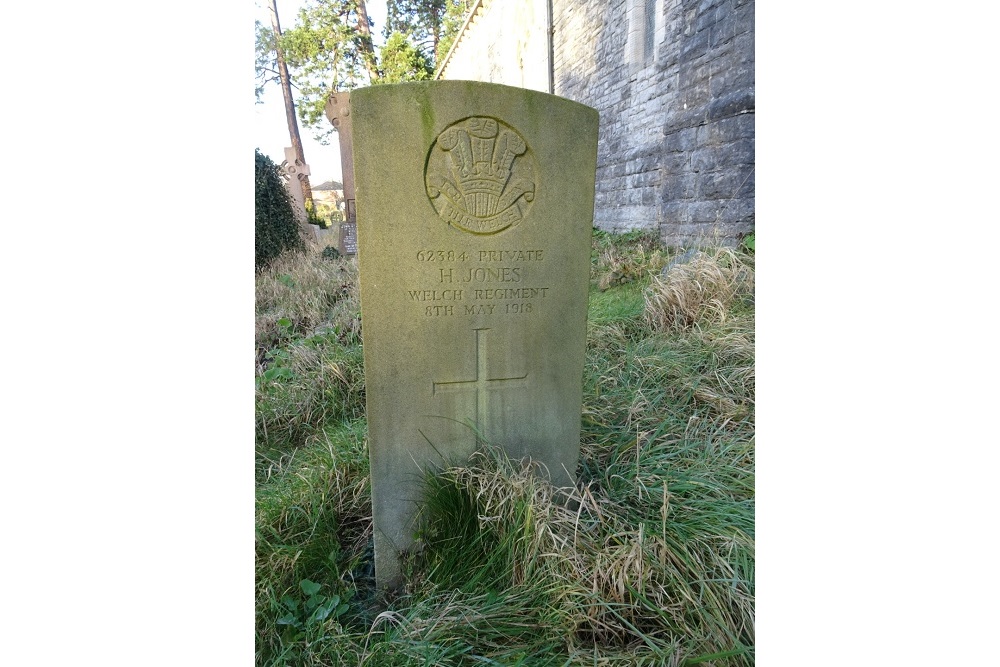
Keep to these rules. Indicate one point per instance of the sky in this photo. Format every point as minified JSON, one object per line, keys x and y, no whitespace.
{"x":270,"y":130}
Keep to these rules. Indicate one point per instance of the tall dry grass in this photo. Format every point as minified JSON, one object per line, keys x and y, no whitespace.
{"x":702,"y":290}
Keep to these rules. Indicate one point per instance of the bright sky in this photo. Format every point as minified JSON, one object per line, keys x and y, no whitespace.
{"x":270,"y":129}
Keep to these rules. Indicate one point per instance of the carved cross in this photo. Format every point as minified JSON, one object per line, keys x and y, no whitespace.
{"x":482,"y":384}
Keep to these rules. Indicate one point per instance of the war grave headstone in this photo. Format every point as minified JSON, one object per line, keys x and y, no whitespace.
{"x":475,"y":207}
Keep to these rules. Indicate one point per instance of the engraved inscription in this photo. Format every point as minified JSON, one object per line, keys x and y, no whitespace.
{"x":482,"y":383}
{"x":518,"y":293}
{"x":476,"y":290}
{"x":505,"y":274}
{"x":441,"y":256}
{"x":480,"y":176}
{"x":435,"y":295}
{"x":510,"y":255}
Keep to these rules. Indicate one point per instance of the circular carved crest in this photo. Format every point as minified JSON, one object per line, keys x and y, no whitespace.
{"x":481,"y":175}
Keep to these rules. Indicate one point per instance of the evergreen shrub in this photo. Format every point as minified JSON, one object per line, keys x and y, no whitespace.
{"x":276,"y":227}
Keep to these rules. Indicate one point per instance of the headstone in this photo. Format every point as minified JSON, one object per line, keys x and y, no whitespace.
{"x":349,"y":237}
{"x":475,"y":213}
{"x":295,"y":169}
{"x":338,"y":112}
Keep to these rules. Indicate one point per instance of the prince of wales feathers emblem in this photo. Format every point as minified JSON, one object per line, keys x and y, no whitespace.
{"x":472,"y":188}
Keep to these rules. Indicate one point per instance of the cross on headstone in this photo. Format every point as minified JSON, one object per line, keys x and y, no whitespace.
{"x":481,"y":384}
{"x":296,"y":170}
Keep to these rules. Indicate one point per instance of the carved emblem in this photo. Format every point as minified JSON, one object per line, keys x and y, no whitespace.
{"x":480,"y":175}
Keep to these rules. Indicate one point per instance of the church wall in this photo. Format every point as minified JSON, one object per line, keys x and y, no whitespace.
{"x":673,"y":81}
{"x":676,"y":147}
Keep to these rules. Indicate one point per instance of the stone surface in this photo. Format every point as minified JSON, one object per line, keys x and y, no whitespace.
{"x":338,"y":112}
{"x":475,"y":210}
{"x":693,"y":97}
{"x":348,"y":243}
{"x":503,"y":42}
{"x":295,"y":170}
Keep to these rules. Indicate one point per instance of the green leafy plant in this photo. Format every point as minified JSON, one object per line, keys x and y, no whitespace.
{"x":314,"y":217}
{"x":279,"y":367}
{"x":276,"y":230}
{"x":310,"y":611}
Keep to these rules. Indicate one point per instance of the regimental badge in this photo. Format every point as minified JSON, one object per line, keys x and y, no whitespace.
{"x":481,"y":175}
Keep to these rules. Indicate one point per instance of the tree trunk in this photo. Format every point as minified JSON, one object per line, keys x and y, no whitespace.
{"x":286,"y":90}
{"x":435,"y":31}
{"x":366,"y":46}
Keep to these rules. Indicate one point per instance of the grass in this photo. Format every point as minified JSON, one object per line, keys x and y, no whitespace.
{"x":649,"y":560}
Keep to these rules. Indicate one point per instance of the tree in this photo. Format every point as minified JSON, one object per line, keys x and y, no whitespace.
{"x":451,"y":22}
{"x":402,"y":61}
{"x":418,"y":20}
{"x":277,"y":229}
{"x":270,"y":58}
{"x":330,"y":49}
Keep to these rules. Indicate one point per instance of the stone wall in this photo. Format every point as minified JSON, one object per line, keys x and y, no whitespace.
{"x":504,"y":42}
{"x":676,"y":148}
{"x":673,"y":81}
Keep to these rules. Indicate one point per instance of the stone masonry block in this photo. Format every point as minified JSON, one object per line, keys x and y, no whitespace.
{"x":724,"y":29}
{"x":705,"y":159}
{"x":679,"y":140}
{"x":697,"y":43}
{"x":733,"y":103}
{"x":745,"y":21}
{"x":674,"y":212}
{"x":675,"y":163}
{"x":732,"y":80}
{"x":678,"y":187}
{"x":704,"y":211}
{"x":705,"y":19}
{"x":725,"y":130}
{"x":733,"y":183}
{"x":734,"y":153}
